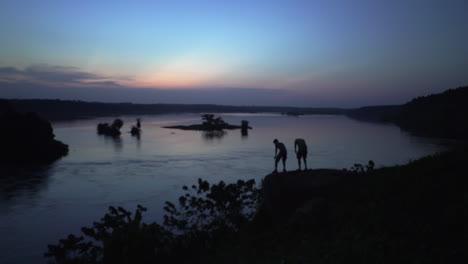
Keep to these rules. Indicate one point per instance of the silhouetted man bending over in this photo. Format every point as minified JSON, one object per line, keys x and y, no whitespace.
{"x":283,"y":154}
{"x":300,"y":148}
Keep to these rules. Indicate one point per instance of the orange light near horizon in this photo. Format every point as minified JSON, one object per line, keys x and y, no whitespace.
{"x":177,"y":79}
{"x":185,"y":72}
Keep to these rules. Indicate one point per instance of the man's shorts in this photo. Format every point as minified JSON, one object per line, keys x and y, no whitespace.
{"x":301,"y":154}
{"x":281,"y":155}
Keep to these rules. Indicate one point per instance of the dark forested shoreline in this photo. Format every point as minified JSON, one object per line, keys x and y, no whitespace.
{"x":437,"y":115}
{"x":27,"y":139}
{"x":65,"y":109}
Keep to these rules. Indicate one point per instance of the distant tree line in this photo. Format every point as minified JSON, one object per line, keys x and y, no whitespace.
{"x":62,"y":109}
{"x":381,"y":113}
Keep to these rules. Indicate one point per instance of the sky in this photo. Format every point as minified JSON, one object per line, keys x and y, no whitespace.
{"x":333,"y":53}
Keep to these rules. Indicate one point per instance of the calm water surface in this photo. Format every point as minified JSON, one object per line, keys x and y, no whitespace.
{"x":39,"y":207}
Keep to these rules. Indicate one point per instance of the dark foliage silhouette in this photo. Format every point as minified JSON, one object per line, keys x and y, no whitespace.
{"x":359,"y":168}
{"x":206,"y":215}
{"x":118,"y":238}
{"x":27,"y":139}
{"x":439,"y":115}
{"x":436,"y":115}
{"x":213,"y":208}
{"x":213,"y":123}
{"x":112,"y":130}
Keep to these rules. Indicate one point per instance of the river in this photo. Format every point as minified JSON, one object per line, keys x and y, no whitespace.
{"x":41,"y":206}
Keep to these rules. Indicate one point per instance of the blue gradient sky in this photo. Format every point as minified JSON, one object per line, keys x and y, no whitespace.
{"x":305,"y":53}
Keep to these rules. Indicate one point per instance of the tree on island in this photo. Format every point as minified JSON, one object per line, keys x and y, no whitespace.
{"x":118,"y":123}
{"x":213,"y":123}
{"x":110,"y":130}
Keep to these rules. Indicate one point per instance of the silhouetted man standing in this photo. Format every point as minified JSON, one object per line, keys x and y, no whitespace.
{"x":300,"y":148}
{"x":283,"y":154}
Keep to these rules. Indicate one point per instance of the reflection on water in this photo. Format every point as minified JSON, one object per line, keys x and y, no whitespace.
{"x":116,"y":142}
{"x":15,"y":182}
{"x":215,"y":134}
{"x":137,"y":136}
{"x":138,"y":139}
{"x":125,"y":171}
{"x":244,"y":133}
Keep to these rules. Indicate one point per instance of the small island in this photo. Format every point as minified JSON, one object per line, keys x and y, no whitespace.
{"x":212,"y":123}
{"x":112,"y":130}
{"x":296,"y":114}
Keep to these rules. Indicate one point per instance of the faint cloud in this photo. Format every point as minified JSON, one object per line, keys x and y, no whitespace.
{"x":54,"y":74}
{"x":104,"y":83}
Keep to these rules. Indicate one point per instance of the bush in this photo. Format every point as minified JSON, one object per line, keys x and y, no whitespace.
{"x":110,"y":130}
{"x":205,"y":214}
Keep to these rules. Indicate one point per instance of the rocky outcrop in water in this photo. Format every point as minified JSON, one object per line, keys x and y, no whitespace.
{"x":27,"y":139}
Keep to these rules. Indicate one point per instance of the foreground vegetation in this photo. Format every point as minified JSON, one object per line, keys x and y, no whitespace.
{"x":206,"y":217}
{"x":415,"y":213}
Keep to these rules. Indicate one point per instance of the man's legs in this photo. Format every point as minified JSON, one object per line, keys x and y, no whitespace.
{"x":276,"y":163}
{"x":284,"y":163}
{"x":304,"y":155}
{"x":299,"y":160}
